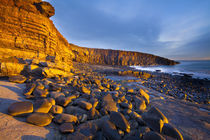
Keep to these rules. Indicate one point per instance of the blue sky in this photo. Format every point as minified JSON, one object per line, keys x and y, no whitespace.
{"x":176,"y":29}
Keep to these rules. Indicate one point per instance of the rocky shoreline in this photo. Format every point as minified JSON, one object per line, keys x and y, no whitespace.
{"x":86,"y":105}
{"x":183,"y":87}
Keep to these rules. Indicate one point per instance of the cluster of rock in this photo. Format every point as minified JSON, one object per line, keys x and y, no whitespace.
{"x":138,"y":74}
{"x":33,"y":67}
{"x":89,"y":106}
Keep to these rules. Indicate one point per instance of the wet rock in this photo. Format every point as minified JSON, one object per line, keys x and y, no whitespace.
{"x":39,"y":119}
{"x":64,"y":118}
{"x":85,"y":105}
{"x":56,"y":109}
{"x":42,"y":106}
{"x":153,"y":136}
{"x":20,"y":108}
{"x":110,"y":131}
{"x":109,"y":104}
{"x":171,"y":131}
{"x":66,"y":128}
{"x":154,"y":123}
{"x":17,"y":79}
{"x":75,"y":110}
{"x":120,"y":121}
{"x":156,"y":113}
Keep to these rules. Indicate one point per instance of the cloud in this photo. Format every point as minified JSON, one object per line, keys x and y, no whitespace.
{"x":162,"y":28}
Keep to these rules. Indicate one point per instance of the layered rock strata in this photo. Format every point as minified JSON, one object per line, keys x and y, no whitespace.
{"x":27,"y":32}
{"x":117,"y":57}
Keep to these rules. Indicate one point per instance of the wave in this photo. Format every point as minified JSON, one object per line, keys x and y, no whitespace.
{"x":175,"y":71}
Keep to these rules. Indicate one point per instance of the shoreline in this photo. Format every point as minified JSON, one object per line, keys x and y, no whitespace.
{"x":179,"y":86}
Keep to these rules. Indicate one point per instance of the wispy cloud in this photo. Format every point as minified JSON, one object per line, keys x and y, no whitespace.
{"x":166,"y":28}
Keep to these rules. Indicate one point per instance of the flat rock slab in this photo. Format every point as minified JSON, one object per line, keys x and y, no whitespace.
{"x":16,"y":128}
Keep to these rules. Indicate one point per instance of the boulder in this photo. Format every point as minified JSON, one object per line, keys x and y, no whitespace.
{"x":56,"y":94}
{"x":38,"y":92}
{"x":64,"y":101}
{"x":154,"y":123}
{"x":66,"y":128}
{"x":156,"y":113}
{"x":20,"y":108}
{"x":110,"y":131}
{"x":120,"y":121}
{"x":85,"y":105}
{"x":42,"y":106}
{"x":171,"y":131}
{"x":56,"y":109}
{"x":39,"y":119}
{"x":29,"y":90}
{"x":17,"y":79}
{"x":75,"y":110}
{"x":64,"y":118}
{"x":109,"y":104}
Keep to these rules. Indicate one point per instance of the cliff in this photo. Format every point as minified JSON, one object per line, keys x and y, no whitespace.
{"x":117,"y":57}
{"x":27,"y":32}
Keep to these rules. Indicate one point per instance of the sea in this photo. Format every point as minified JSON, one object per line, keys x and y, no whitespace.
{"x":197,"y":68}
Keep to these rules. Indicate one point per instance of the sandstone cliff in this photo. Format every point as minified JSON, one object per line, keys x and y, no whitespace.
{"x":117,"y":57}
{"x":27,"y":32}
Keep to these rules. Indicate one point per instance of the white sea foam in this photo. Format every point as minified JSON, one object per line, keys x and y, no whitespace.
{"x":174,"y":71}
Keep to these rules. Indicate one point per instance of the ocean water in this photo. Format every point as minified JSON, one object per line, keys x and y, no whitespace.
{"x":198,"y":69}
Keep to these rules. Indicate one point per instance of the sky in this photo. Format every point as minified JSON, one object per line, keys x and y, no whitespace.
{"x":176,"y":29}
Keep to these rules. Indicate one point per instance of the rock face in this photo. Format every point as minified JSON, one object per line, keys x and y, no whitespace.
{"x":117,"y":57}
{"x":27,"y":32}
